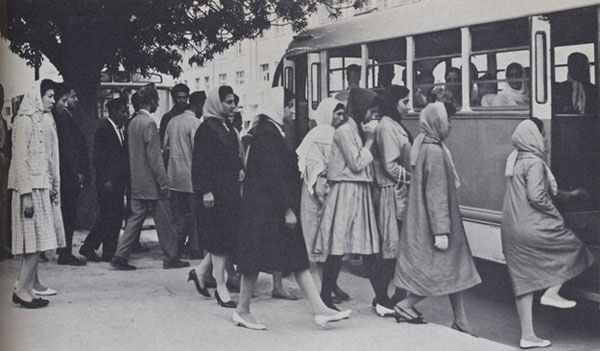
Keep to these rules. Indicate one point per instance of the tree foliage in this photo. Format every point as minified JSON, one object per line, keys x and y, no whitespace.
{"x":82,"y":37}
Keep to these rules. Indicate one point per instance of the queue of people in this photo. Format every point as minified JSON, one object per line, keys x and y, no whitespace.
{"x":358,"y":184}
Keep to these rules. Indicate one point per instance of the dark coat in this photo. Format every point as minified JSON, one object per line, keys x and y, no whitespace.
{"x":216,"y":166}
{"x":111,"y":159}
{"x":74,"y":159}
{"x":563,"y":93}
{"x":271,"y":187}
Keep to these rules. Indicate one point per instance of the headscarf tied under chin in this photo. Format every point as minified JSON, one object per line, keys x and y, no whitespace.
{"x":434,"y":124}
{"x":322,"y":133}
{"x":212,"y":106}
{"x":527,"y":138}
{"x":32,"y":101}
{"x":272,"y":106}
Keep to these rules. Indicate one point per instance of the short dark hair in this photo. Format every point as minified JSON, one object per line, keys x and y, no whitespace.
{"x":115,"y":104}
{"x":236,"y":99}
{"x":224,"y":90}
{"x":47,"y":84}
{"x":352,"y":68}
{"x":197,"y":97}
{"x":147,"y":93}
{"x":179,"y":88}
{"x":135,"y":101}
{"x":287,"y":96}
{"x":62,"y":89}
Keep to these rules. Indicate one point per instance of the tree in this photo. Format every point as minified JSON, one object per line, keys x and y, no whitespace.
{"x":83,"y":37}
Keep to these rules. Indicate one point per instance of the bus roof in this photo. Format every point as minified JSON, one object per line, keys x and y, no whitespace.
{"x":422,"y":16}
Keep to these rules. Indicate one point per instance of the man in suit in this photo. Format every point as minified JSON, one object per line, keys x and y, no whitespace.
{"x":112,"y":175}
{"x":179,"y":140}
{"x":149,"y":186}
{"x":74,"y":166}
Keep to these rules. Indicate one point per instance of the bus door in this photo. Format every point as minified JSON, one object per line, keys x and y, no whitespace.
{"x":575,"y":125}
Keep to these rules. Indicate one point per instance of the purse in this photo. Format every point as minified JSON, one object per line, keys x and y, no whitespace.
{"x":401,"y":195}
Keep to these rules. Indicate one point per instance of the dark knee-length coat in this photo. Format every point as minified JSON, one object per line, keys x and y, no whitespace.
{"x":271,"y":187}
{"x":216,"y":166}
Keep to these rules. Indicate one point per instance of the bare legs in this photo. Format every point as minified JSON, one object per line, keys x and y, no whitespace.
{"x":27,"y":276}
{"x":460,"y":316}
{"x":219,"y":262}
{"x":279,"y":291}
{"x":246,"y":291}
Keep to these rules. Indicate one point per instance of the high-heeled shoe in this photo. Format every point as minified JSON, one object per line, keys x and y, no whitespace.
{"x":322,"y":320}
{"x":383,"y":311}
{"x":241,"y":322}
{"x":402,"y":315}
{"x":458,"y":328}
{"x":193,"y":276}
{"x":35,"y":303}
{"x":226,"y":304}
{"x":525,"y":344}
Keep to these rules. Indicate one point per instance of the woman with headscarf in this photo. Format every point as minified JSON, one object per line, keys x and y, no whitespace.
{"x":349,"y":224}
{"x":516,"y":91}
{"x":391,"y":154}
{"x":271,"y":239}
{"x":434,"y":257}
{"x":217,"y":172}
{"x":34,"y":180}
{"x":313,"y":157}
{"x":541,"y":253}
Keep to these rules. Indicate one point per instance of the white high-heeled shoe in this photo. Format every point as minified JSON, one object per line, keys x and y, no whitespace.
{"x":47,"y":292}
{"x":322,"y":320}
{"x":241,"y":322}
{"x":525,"y":344}
{"x":383,"y":311}
{"x":557,"y":301}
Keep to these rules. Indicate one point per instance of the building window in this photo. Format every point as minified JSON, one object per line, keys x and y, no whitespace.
{"x":238,"y":48}
{"x":264,"y":71}
{"x":222,"y":79}
{"x":207,"y":83}
{"x":239,"y":77}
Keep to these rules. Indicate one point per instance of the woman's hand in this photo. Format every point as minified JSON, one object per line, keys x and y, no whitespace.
{"x":441,"y":242}
{"x":369,"y":129}
{"x":53,"y":195}
{"x":290,"y":219}
{"x":321,"y":189}
{"x":241,"y":176}
{"x":27,"y":204}
{"x":208,"y":200}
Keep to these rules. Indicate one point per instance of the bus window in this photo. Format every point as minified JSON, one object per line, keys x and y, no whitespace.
{"x":338,"y":70}
{"x":388,"y":61}
{"x":500,"y":65}
{"x":437,"y":67}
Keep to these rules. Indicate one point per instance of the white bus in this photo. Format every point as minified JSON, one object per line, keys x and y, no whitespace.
{"x":438,"y":38}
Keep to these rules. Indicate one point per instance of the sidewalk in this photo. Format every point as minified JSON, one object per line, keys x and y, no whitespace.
{"x":98,"y":308}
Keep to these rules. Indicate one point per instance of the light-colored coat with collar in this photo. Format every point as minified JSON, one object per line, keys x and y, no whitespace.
{"x":147,"y":169}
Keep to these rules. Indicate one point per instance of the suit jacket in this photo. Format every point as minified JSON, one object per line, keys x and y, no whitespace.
{"x":146,"y":167}
{"x":111,"y":159}
{"x":72,"y":149}
{"x":563,"y":93}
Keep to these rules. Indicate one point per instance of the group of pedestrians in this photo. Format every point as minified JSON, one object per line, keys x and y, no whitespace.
{"x":358,"y":184}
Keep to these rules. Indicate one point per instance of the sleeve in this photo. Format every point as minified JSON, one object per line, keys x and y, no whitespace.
{"x":356,"y":159}
{"x":54,"y":160}
{"x":315,"y":162}
{"x":21,"y":136}
{"x":537,"y":189}
{"x":390,"y":149}
{"x":203,"y":161}
{"x":436,"y":192}
{"x":154,"y":156}
{"x":165,"y":140}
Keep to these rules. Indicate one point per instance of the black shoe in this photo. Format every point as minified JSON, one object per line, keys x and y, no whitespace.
{"x":70,"y":260}
{"x":139,"y":248}
{"x":43,"y":257}
{"x":327,"y":301}
{"x":90,"y":254}
{"x":106,"y":257}
{"x":193,"y":276}
{"x":175,"y":264}
{"x":35,"y":303}
{"x":121,"y":264}
{"x":228,"y":304}
{"x":341,"y":294}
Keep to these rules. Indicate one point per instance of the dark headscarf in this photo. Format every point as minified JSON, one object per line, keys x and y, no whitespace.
{"x":359,"y":101}
{"x":391,"y":96}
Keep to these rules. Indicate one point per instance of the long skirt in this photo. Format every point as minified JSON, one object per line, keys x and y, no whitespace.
{"x":311,"y":212}
{"x":38,"y":233}
{"x":389,"y":226}
{"x":349,"y":224}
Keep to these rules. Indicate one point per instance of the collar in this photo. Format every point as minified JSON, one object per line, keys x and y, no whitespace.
{"x":144,"y":112}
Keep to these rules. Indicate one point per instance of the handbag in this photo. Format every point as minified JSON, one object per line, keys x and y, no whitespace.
{"x":401,"y":195}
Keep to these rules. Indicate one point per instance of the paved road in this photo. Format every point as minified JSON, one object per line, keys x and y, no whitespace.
{"x":154,"y":309}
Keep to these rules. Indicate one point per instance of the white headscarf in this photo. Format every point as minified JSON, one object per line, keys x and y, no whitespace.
{"x":32,"y":101}
{"x":513,"y":97}
{"x":433,"y":121}
{"x":527,"y":138}
{"x":322,"y":133}
{"x":212,"y":106}
{"x":272,"y":106}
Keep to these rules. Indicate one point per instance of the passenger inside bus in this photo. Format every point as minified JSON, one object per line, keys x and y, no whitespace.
{"x":424,"y":84}
{"x":453,"y":85}
{"x":516,"y":90}
{"x":353,"y":77}
{"x":487,"y":89}
{"x":576,"y":95}
{"x":385,"y":76}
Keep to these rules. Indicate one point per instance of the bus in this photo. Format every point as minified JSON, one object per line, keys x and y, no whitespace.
{"x":427,"y":45}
